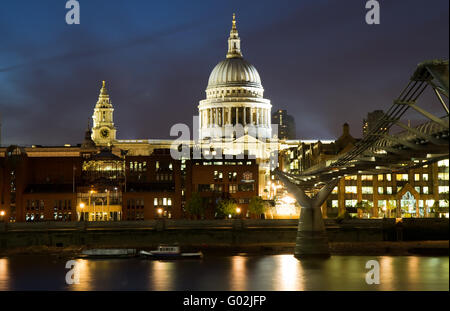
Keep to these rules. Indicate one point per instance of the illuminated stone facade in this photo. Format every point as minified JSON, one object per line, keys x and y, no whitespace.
{"x":234,"y":104}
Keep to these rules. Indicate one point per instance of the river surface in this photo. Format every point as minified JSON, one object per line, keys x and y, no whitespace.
{"x":257,"y":273}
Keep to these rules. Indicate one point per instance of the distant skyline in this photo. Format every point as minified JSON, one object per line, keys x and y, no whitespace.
{"x":318,"y":59}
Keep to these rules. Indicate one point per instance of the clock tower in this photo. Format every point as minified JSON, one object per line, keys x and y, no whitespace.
{"x":103,"y":130}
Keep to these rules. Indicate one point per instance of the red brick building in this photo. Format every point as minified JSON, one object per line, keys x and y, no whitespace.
{"x":87,"y":183}
{"x":235,"y":179}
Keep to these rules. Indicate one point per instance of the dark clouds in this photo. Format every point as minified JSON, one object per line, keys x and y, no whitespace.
{"x":318,"y":59}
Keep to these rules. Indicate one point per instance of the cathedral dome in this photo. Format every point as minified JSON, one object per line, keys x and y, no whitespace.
{"x":234,"y":72}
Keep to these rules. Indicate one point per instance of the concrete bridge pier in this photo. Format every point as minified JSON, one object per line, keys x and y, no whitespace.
{"x":312,"y":239}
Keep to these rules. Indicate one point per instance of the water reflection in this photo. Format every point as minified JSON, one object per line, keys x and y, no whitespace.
{"x":238,"y":278}
{"x":86,"y":278}
{"x":162,"y":275}
{"x":290,"y":274}
{"x":252,"y":273}
{"x":4,"y":274}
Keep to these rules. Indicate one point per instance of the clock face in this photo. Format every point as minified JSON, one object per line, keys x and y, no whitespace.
{"x":104,"y":133}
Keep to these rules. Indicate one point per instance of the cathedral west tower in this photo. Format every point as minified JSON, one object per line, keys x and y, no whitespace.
{"x":103,"y":130}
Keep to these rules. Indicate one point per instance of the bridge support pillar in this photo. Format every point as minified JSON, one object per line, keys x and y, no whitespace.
{"x":312,"y":239}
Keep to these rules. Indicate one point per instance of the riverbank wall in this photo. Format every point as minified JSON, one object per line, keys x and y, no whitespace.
{"x":211,"y":233}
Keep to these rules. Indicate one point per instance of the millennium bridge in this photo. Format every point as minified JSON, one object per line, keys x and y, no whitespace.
{"x":378,"y":152}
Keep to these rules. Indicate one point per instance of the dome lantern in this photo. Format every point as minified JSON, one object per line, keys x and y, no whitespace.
{"x":234,"y":42}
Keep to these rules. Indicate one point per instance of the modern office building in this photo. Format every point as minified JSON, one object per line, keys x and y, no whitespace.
{"x":372,"y":120}
{"x":418,"y":192}
{"x":285,"y":123}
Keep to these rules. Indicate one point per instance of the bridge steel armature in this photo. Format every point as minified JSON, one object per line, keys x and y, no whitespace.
{"x":378,"y":152}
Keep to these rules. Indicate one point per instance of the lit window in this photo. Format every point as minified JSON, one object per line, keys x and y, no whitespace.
{"x":335,"y":190}
{"x":443,"y":203}
{"x":366,"y":177}
{"x":388,"y":190}
{"x":416,"y":177}
{"x":443,"y":163}
{"x":367,"y":190}
{"x":425,"y":190}
{"x":417,"y":189}
{"x":402,"y":177}
{"x":442,"y":176}
{"x":165,"y":201}
{"x":334,"y":203}
{"x":169,"y":201}
{"x":380,"y":177}
{"x":425,"y":177}
{"x":380,"y":190}
{"x":350,"y":189}
{"x":388,"y":177}
{"x":443,"y":189}
{"x":350,"y":203}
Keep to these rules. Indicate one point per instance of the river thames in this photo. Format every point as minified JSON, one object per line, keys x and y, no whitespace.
{"x":240,"y":272}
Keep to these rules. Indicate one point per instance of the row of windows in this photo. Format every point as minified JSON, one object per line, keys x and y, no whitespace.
{"x":162,"y":202}
{"x":159,"y":166}
{"x":218,"y":176}
{"x":387,"y":190}
{"x":232,"y":188}
{"x":135,"y":216}
{"x":388,"y":177}
{"x":138,"y":166}
{"x":58,"y":205}
{"x":62,"y":216}
{"x":243,"y":91}
{"x":34,"y":217}
{"x":207,"y":163}
{"x":392,"y":203}
{"x":135,"y":203}
{"x":164,"y":177}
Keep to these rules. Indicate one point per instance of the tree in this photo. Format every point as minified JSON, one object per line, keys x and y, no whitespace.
{"x":225,"y":208}
{"x":391,"y":206}
{"x":256,"y":206}
{"x":364,"y":206}
{"x":195,"y":205}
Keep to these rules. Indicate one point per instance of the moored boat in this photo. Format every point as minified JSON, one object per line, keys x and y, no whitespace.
{"x":108,"y":253}
{"x":169,"y":252}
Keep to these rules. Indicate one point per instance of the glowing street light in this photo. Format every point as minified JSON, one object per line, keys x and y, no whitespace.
{"x":2,"y":213}
{"x":82,"y":205}
{"x":238,"y":210}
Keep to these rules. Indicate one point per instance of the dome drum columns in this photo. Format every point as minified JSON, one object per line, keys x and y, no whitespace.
{"x":253,"y":121}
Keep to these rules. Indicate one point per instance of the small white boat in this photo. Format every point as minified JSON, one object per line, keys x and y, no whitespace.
{"x":108,"y":252}
{"x":169,"y":252}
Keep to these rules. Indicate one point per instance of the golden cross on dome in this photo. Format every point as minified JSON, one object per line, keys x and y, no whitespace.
{"x":234,"y":21}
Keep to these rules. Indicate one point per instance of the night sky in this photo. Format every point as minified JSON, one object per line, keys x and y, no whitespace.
{"x":317,"y":59}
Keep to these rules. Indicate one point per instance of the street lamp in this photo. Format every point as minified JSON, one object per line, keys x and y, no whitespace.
{"x":160,"y":211}
{"x":238,"y":211}
{"x":2,"y":214}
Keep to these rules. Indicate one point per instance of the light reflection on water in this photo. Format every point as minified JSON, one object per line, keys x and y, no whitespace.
{"x":273,"y":272}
